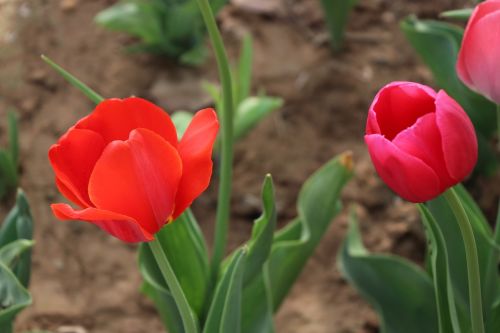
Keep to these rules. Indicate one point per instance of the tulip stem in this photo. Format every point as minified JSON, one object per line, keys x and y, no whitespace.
{"x":474,"y":279}
{"x":188,"y":319}
{"x":226,"y":118}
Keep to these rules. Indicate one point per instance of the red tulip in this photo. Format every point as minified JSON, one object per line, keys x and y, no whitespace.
{"x":126,"y":170}
{"x":421,"y":142}
{"x":478,"y":63}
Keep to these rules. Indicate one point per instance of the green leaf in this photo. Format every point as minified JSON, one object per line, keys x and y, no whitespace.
{"x":8,"y":171}
{"x":454,"y":245}
{"x":19,"y":225}
{"x":493,"y":326}
{"x":86,"y":90}
{"x":259,"y":245}
{"x":138,"y":18}
{"x":10,"y":254}
{"x":251,"y":111}
{"x":224,"y":315}
{"x":318,"y":203}
{"x":181,"y":120}
{"x":336,"y":14}
{"x":13,"y":139}
{"x":13,"y":298}
{"x":458,"y":14}
{"x":401,"y":293}
{"x":443,"y":289}
{"x":164,"y":303}
{"x":185,"y":248}
{"x":243,"y":75}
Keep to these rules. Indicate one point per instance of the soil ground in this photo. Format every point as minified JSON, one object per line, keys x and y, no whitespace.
{"x":84,"y":278}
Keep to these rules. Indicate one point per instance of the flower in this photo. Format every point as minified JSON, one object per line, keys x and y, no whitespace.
{"x":125,"y":168}
{"x":421,"y":142}
{"x":478,"y":60}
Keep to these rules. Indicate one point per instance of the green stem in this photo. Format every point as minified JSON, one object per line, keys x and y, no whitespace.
{"x":226,"y":118}
{"x":188,"y":319}
{"x":474,"y":279}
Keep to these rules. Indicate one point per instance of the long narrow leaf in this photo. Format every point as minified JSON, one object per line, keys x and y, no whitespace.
{"x":91,"y":94}
{"x":224,"y":315}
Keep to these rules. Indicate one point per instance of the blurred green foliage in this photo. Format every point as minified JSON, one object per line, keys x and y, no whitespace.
{"x":9,"y":158}
{"x":171,"y":27}
{"x":336,"y":14}
{"x":16,"y":233}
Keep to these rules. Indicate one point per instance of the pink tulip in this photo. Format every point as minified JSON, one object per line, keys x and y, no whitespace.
{"x":478,"y":63}
{"x":421,"y":142}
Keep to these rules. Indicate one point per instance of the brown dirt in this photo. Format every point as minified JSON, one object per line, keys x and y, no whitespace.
{"x":83,"y":277}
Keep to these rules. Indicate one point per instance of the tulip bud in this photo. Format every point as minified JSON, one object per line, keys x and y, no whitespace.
{"x":478,"y":61}
{"x":421,"y":142}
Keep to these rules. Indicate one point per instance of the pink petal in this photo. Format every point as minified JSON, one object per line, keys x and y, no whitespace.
{"x":398,"y":105}
{"x":479,"y":59}
{"x":459,"y":140}
{"x":423,"y":141}
{"x":405,"y":174}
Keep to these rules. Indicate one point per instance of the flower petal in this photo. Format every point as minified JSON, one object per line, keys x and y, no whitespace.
{"x":397,"y":106}
{"x":73,"y":159}
{"x":195,"y":149}
{"x":458,"y":137}
{"x":478,"y":61}
{"x":423,"y":141}
{"x":138,"y":178}
{"x":120,"y":226}
{"x":115,"y":118}
{"x":406,"y":175}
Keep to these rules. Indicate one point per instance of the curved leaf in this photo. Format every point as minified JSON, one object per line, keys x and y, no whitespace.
{"x":443,"y":289}
{"x":19,"y":225}
{"x":13,"y":298}
{"x":401,"y":292}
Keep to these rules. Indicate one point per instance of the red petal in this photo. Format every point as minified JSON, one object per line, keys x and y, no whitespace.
{"x":398,"y":105}
{"x":138,"y":178}
{"x":406,"y":175}
{"x":68,"y":194}
{"x":458,"y":137}
{"x":195,"y":150}
{"x":120,"y":226}
{"x":423,"y":140}
{"x":73,"y":159}
{"x":115,"y":118}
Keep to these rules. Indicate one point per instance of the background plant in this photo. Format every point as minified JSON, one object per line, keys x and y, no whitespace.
{"x":336,"y":13}
{"x":16,"y":233}
{"x":171,"y":27}
{"x":9,"y":158}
